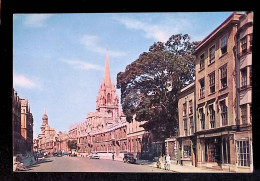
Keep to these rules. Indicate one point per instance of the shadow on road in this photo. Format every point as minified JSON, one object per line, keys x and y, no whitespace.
{"x":38,"y":163}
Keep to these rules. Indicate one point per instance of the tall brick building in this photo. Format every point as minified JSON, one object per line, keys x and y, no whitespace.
{"x":22,"y":119}
{"x":219,"y":127}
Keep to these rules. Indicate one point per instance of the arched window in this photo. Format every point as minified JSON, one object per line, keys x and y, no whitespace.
{"x":108,"y":98}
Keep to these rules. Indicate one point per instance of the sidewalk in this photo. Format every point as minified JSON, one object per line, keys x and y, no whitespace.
{"x":188,"y":169}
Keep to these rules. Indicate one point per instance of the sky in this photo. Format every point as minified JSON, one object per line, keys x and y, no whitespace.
{"x":59,"y":59}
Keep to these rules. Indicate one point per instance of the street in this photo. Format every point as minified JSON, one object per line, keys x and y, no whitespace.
{"x":83,"y":164}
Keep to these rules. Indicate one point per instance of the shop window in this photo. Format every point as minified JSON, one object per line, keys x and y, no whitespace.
{"x":202,"y":61}
{"x":243,"y":158}
{"x":226,"y":151}
{"x":212,"y":82}
{"x":186,"y":151}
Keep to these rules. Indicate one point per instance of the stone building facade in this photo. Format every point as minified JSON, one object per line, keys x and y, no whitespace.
{"x":22,"y":121}
{"x":103,"y":131}
{"x":217,"y":113}
{"x":243,"y":137}
{"x":18,"y":140}
{"x":48,"y":137}
{"x":187,"y":128}
{"x":138,"y":140}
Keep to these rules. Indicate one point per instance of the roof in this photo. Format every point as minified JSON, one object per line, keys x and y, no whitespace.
{"x":233,"y":17}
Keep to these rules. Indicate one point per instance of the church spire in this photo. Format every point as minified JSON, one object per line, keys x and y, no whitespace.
{"x":107,"y":78}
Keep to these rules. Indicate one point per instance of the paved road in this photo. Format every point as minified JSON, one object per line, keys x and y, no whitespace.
{"x":83,"y":164}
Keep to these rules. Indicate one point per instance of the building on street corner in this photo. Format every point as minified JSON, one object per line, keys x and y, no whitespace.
{"x":221,"y":140}
{"x":187,"y":119}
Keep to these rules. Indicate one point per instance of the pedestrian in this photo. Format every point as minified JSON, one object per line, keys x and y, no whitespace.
{"x":168,"y":162}
{"x":113,"y":156}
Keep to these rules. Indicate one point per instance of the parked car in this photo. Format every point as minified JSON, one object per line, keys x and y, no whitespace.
{"x":129,"y":158}
{"x":94,"y":155}
{"x":65,"y":153}
{"x":58,"y":154}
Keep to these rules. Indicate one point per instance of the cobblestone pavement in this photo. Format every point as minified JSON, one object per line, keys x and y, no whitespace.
{"x":83,"y":164}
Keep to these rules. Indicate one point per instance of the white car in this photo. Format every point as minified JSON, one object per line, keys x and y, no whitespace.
{"x":94,"y":155}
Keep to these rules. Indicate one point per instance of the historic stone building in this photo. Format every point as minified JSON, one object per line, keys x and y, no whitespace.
{"x":243,"y":137}
{"x":47,"y":137}
{"x":26,"y":124}
{"x":138,"y":140}
{"x":187,"y":128}
{"x":223,"y":136}
{"x":18,"y":140}
{"x":22,"y":121}
{"x":104,"y":131}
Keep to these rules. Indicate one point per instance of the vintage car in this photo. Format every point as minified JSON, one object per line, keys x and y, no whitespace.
{"x":129,"y":158}
{"x":94,"y":155}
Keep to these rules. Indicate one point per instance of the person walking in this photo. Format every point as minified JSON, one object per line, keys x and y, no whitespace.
{"x":113,"y":156}
{"x":168,"y":162}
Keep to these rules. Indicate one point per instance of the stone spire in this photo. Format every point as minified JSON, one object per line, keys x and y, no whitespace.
{"x":107,"y":78}
{"x":44,"y":117}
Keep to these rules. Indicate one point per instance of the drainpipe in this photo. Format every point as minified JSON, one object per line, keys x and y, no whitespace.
{"x":237,"y":64}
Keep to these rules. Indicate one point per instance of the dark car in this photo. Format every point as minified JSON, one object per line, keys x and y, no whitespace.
{"x":58,"y":154}
{"x":129,"y":158}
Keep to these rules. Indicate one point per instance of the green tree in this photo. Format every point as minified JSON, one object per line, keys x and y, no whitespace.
{"x":150,"y":84}
{"x":72,"y":144}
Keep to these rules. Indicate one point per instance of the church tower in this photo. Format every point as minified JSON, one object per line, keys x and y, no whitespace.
{"x":107,"y":102}
{"x":44,"y":120}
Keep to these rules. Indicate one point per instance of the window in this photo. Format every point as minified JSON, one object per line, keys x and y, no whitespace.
{"x":202,"y":61}
{"x":250,"y":75}
{"x":224,"y":45}
{"x":212,"y":54}
{"x":223,"y":109}
{"x":212,"y":82}
{"x":202,"y":88}
{"x":223,"y":76}
{"x":250,"y":107}
{"x":251,"y":41}
{"x":202,"y":118}
{"x":243,"y":78}
{"x":243,"y":114}
{"x":243,"y":43}
{"x":184,"y":109}
{"x":185,"y":126}
{"x":226,"y":150}
{"x":190,"y":107}
{"x":243,"y":158}
{"x":186,"y":151}
{"x":212,"y":116}
{"x":191,"y":125}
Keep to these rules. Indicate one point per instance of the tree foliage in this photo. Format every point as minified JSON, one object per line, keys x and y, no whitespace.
{"x":150,"y":84}
{"x":72,"y":144}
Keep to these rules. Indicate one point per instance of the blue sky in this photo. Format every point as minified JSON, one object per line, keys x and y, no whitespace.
{"x":59,"y":59}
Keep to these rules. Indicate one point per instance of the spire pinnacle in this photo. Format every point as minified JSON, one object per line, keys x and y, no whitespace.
{"x":107,"y":78}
